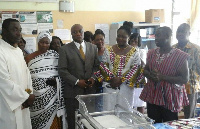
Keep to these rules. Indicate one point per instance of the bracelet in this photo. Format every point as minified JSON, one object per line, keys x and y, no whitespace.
{"x":28,"y":91}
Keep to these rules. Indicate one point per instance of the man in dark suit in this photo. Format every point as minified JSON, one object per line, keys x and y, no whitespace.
{"x":77,"y":63}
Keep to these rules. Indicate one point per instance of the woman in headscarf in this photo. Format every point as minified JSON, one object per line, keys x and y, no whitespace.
{"x":48,"y":110}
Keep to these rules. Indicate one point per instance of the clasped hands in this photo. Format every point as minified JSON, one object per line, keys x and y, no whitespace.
{"x":155,"y":75}
{"x":29,"y":101}
{"x":51,"y":82}
{"x":115,"y":82}
{"x":86,"y":83}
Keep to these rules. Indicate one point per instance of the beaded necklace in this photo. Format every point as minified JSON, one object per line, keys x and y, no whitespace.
{"x":122,"y":48}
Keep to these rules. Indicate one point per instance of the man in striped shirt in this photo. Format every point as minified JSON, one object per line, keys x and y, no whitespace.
{"x":167,"y":72}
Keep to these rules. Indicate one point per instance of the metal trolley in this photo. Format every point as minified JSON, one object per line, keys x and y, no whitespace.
{"x":109,"y":111}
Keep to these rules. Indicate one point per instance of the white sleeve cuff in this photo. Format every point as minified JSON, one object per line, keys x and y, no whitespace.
{"x":77,"y":82}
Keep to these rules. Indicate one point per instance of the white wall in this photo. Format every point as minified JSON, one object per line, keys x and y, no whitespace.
{"x":93,"y":5}
{"x":120,"y":5}
{"x":97,"y":5}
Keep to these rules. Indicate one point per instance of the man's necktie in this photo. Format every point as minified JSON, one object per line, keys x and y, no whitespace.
{"x":81,"y":52}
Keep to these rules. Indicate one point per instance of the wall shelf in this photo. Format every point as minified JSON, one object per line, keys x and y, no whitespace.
{"x":145,"y":24}
{"x":149,"y":42}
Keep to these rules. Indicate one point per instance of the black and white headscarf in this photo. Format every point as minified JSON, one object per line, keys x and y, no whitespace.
{"x":43,"y":34}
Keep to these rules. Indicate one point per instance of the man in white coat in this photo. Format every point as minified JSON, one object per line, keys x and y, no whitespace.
{"x":15,"y":81}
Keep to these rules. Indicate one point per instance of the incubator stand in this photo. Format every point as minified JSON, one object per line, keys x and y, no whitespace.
{"x":109,"y":111}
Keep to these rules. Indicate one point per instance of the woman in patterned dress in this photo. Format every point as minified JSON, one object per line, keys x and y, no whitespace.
{"x":120,"y":67}
{"x":135,"y":41}
{"x":48,"y":110}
